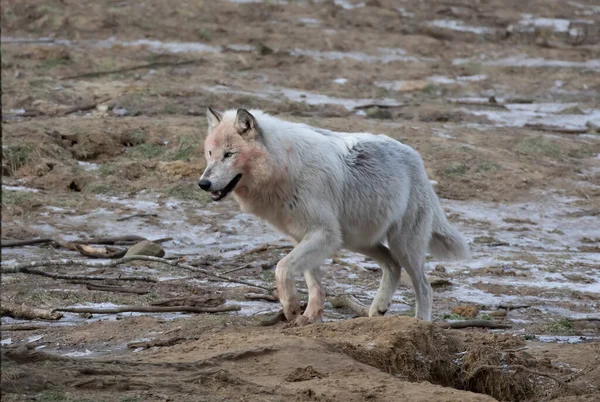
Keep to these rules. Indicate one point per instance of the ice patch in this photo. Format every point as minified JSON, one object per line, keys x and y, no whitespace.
{"x":88,"y":166}
{"x":340,"y":81}
{"x":523,"y":60}
{"x":459,"y":26}
{"x":20,"y":188}
{"x":384,"y":55}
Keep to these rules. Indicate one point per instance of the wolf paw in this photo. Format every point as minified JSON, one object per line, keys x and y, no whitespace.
{"x":303,"y":320}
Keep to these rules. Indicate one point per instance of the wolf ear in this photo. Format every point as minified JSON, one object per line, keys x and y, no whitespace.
{"x":245,"y":124}
{"x":214,"y":118}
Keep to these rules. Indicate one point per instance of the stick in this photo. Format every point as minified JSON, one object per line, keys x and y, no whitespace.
{"x":159,"y":342}
{"x":350,"y":302}
{"x":121,"y":289}
{"x":381,"y":106}
{"x":28,"y":266}
{"x":585,"y":319}
{"x":483,"y":104}
{"x":149,"y":309}
{"x":95,"y":252}
{"x":28,"y":242}
{"x":110,"y":240}
{"x":262,"y":248}
{"x":21,"y":327}
{"x":519,"y":367}
{"x":556,"y":129}
{"x":249,"y":265}
{"x":133,"y":68}
{"x":473,"y":324}
{"x":136,"y":216}
{"x":273,"y":320}
{"x":29,"y":313}
{"x":261,"y":296}
{"x":82,"y":108}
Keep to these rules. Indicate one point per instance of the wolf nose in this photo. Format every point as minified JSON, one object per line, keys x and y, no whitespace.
{"x":204,"y":184}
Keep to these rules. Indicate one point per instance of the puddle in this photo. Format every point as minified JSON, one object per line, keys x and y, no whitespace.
{"x":549,"y":114}
{"x":383,"y":55}
{"x":523,"y":60}
{"x":304,"y":97}
{"x":459,"y":26}
{"x":20,"y":188}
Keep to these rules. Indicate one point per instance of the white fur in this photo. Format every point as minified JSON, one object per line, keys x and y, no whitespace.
{"x":356,"y":191}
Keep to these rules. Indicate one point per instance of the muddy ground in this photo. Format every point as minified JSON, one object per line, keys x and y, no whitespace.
{"x":103,"y":118}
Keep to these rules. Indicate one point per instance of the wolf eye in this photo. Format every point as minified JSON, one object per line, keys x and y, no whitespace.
{"x":227,"y":154}
{"x":209,"y":153}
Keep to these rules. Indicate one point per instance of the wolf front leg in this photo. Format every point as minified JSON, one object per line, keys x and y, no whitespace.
{"x":305,"y":258}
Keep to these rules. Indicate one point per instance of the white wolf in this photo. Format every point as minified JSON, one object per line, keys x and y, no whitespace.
{"x":328,"y":190}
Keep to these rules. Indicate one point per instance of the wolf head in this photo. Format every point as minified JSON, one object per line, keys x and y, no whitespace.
{"x":235,"y":156}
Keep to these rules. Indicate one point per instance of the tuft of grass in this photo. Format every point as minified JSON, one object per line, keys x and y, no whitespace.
{"x":188,"y":192}
{"x":457,"y":169}
{"x":147,"y":150}
{"x":430,"y":89}
{"x":561,"y":326}
{"x":99,"y":188}
{"x":52,"y":63}
{"x":186,"y":148}
{"x":268,"y":276}
{"x":485,"y":317}
{"x":16,"y":156}
{"x":539,"y":146}
{"x":51,"y":396}
{"x":453,"y":317}
{"x":487,"y":167}
{"x":106,"y":169}
{"x":169,"y":109}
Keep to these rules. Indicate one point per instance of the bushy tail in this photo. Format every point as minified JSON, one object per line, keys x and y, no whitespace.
{"x":446,"y":242}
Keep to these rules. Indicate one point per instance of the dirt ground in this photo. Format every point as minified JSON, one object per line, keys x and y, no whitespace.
{"x":103,"y":118}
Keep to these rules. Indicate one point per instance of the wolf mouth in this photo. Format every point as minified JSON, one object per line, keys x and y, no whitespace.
{"x":218,"y":195}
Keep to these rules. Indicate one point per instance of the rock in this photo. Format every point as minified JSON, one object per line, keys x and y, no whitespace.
{"x":466,"y":311}
{"x":379,"y":113}
{"x":146,"y":248}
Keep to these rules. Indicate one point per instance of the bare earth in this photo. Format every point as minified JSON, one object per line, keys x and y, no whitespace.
{"x":103,"y":118}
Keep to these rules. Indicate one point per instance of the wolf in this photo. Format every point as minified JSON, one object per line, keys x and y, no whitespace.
{"x":326,"y":191}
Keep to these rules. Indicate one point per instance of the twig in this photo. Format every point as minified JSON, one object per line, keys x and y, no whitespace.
{"x":21,"y":327}
{"x":150,"y":309}
{"x":29,"y":313}
{"x":261,"y":296}
{"x":160,"y":342}
{"x":95,"y":252}
{"x":121,"y":289}
{"x":249,"y":265}
{"x":110,"y":240}
{"x":379,"y":105}
{"x":136,"y":216}
{"x":557,"y":129}
{"x":350,"y":302}
{"x":520,"y":367}
{"x":584,"y":193}
{"x":27,"y":242}
{"x":261,"y":248}
{"x":473,"y":324}
{"x":133,"y":68}
{"x":26,"y":269}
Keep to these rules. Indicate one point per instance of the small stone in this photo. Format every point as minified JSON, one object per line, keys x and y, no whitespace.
{"x":440,"y":268}
{"x":146,"y":248}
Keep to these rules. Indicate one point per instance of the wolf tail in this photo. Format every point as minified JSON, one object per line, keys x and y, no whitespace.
{"x":446,"y":242}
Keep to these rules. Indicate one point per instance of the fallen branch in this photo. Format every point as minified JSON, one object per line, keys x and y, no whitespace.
{"x":27,"y":242}
{"x":246,"y":266}
{"x":136,"y":216}
{"x":350,"y":302}
{"x":13,"y":310}
{"x":556,"y":129}
{"x":261,"y":248}
{"x":133,"y":68}
{"x":519,"y":367}
{"x":28,"y":267}
{"x":191,"y":301}
{"x":95,"y":252}
{"x":378,"y":105}
{"x":82,"y":108}
{"x":121,"y":289}
{"x":261,"y":296}
{"x":110,"y":240}
{"x":150,"y":309}
{"x":273,"y":320}
{"x":159,"y":342}
{"x":21,"y":327}
{"x":513,"y":306}
{"x":585,"y":319}
{"x":473,"y":324}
